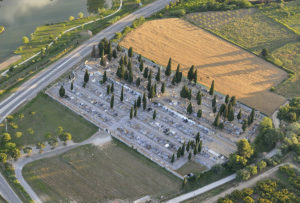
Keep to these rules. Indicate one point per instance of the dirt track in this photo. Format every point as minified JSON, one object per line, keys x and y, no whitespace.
{"x":235,"y":71}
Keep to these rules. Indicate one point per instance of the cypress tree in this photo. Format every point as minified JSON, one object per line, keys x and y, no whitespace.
{"x":151,"y":93}
{"x":86,"y":76}
{"x":139,"y":101}
{"x":190,"y":94}
{"x":122,"y":94}
{"x":199,"y":98}
{"x":71,"y":86}
{"x":244,"y":126}
{"x":121,"y":72}
{"x":144,"y":101}
{"x":182,"y":149}
{"x":150,"y":74}
{"x":188,"y":147}
{"x":149,"y":84}
{"x":199,"y":113}
{"x":108,"y":89}
{"x":125,"y":60}
{"x":233,"y":100}
{"x":141,"y":66}
{"x":129,"y":66}
{"x":157,"y":78}
{"x":190,"y":156}
{"x":227,"y":99}
{"x":178,"y":74}
{"x":121,"y":62}
{"x":174,"y":80}
{"x":138,"y":82}
{"x":154,"y":115}
{"x":178,"y":152}
{"x":104,"y":79}
{"x":62,"y":91}
{"x":222,"y":108}
{"x":101,"y":49}
{"x":130,"y":77}
{"x":190,"y":109}
{"x":252,"y":116}
{"x":190,"y":75}
{"x":126,"y":75}
{"x":172,"y":159}
{"x":131,"y":113}
{"x":195,"y":150}
{"x":115,"y":55}
{"x":135,"y":112}
{"x":112,"y":100}
{"x":239,"y":116}
{"x":195,"y":76}
{"x":168,"y":69}
{"x":130,"y":52}
{"x":225,"y":113}
{"x":214,"y":109}
{"x":112,"y":88}
{"x":93,"y":54}
{"x":145,"y":74}
{"x":214,"y":101}
{"x":231,"y":115}
{"x":135,"y":105}
{"x":102,"y":61}
{"x":155,"y":86}
{"x":212,"y":88}
{"x":163,"y":88}
{"x":217,"y":120}
{"x":140,"y":58}
{"x":119,"y":48}
{"x":200,"y":146}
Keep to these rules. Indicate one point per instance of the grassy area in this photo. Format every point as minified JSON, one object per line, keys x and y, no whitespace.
{"x":97,"y":174}
{"x":276,"y":29}
{"x":191,"y":167}
{"x":1,"y":29}
{"x":2,"y":200}
{"x":43,"y":115}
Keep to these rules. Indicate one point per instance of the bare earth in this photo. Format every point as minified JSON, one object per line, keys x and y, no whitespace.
{"x":9,"y":61}
{"x":235,"y":71}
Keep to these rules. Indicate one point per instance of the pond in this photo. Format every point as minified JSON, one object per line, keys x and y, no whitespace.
{"x":21,"y":17}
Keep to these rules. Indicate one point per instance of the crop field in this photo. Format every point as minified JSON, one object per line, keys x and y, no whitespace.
{"x":98,"y":174}
{"x":235,"y":71}
{"x":42,"y":116}
{"x":276,"y":29}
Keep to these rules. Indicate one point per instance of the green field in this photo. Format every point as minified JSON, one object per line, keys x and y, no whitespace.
{"x":44,"y":115}
{"x":98,"y":174}
{"x":191,"y":167}
{"x":276,"y":29}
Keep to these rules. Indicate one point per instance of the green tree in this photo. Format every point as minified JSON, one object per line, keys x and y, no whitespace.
{"x":168,"y":68}
{"x":122,"y":94}
{"x":3,"y":158}
{"x":144,"y":101}
{"x":138,"y":82}
{"x":25,"y":40}
{"x":244,"y":148}
{"x":217,"y":120}
{"x":190,"y":156}
{"x":108,"y":89}
{"x":227,"y":99}
{"x":130,"y":52}
{"x":199,"y":98}
{"x":172,"y":159}
{"x":244,"y":125}
{"x":80,"y":15}
{"x":140,"y":58}
{"x":65,"y":137}
{"x":131,"y":113}
{"x":178,"y":74}
{"x":71,"y":18}
{"x":190,"y":75}
{"x":195,"y":150}
{"x":231,"y":115}
{"x":265,"y":52}
{"x":154,"y":115}
{"x":139,"y":101}
{"x":214,"y":101}
{"x":157,"y":77}
{"x":112,"y":88}
{"x":102,"y":61}
{"x":239,"y":116}
{"x":115,"y":55}
{"x":200,"y":146}
{"x":195,"y":78}
{"x":199,"y":113}
{"x":141,"y":67}
{"x":145,"y":74}
{"x":135,"y":112}
{"x":233,"y":100}
{"x":190,"y":108}
{"x":178,"y":152}
{"x":163,"y":88}
{"x":86,"y":76}
{"x":62,"y":91}
{"x":151,"y":93}
{"x":121,"y":71}
{"x":104,"y":79}
{"x":112,"y":100}
{"x":212,"y":88}
{"x":72,"y":86}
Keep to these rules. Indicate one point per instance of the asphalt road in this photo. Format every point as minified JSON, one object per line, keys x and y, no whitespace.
{"x":37,"y":83}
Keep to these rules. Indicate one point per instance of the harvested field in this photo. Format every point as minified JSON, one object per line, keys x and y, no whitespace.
{"x":235,"y":71}
{"x":99,"y":174}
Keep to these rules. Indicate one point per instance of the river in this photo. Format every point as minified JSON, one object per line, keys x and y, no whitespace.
{"x":21,"y":17}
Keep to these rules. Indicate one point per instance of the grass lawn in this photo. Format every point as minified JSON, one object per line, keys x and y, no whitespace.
{"x":48,"y":115}
{"x":276,"y":29}
{"x":191,"y":167}
{"x":2,"y":200}
{"x":98,"y":174}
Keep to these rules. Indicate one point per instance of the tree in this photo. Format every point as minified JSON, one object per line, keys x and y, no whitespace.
{"x":154,"y":115}
{"x":195,"y":150}
{"x":112,"y":100}
{"x":3,"y":158}
{"x":190,"y":109}
{"x":182,"y":149}
{"x":121,"y":62}
{"x":214,"y":101}
{"x":145,"y":74}
{"x":244,"y":125}
{"x":233,"y":100}
{"x":86,"y":76}
{"x":225,"y":112}
{"x":261,"y":165}
{"x":25,"y":40}
{"x":199,"y":113}
{"x":71,"y":18}
{"x":108,"y":89}
{"x":140,"y":58}
{"x":200,"y":146}
{"x":71,"y":86}
{"x":199,"y":98}
{"x":135,"y":112}
{"x":190,"y":156}
{"x":130,"y":77}
{"x":157,"y":77}
{"x":212,"y":88}
{"x":102,"y":61}
{"x":139,"y":101}
{"x":62,"y":91}
{"x":93,"y":54}
{"x":252,"y":114}
{"x":172,"y":159}
{"x":114,"y":54}
{"x":217,"y":120}
{"x":104,"y":79}
{"x":231,"y":115}
{"x":178,"y":74}
{"x":227,"y":99}
{"x":65,"y":137}
{"x":163,"y":88}
{"x":239,"y":116}
{"x":178,"y":152}
{"x":168,"y":68}
{"x":131,"y":113}
{"x":130,"y":52}
{"x":80,"y":15}
{"x":190,"y":75}
{"x":265,"y":52}
{"x":144,"y":101}
{"x":243,"y":175}
{"x":125,"y":60}
{"x":122,"y":94}
{"x":149,"y":84}
{"x":121,"y":71}
{"x":151,"y":93}
{"x":185,"y":92}
{"x":138,"y":82}
{"x":195,"y":76}
{"x":244,"y":148}
{"x":141,"y":67}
